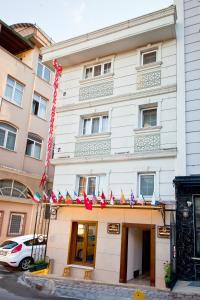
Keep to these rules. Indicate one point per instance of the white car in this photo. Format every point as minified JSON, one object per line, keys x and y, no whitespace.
{"x":17,"y":251}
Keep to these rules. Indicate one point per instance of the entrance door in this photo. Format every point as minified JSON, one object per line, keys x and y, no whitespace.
{"x":148,"y":246}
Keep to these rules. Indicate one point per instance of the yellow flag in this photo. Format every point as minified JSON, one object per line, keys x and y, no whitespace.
{"x":122,"y":198}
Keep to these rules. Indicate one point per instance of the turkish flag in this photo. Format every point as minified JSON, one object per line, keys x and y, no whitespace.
{"x":87,"y":202}
{"x":103,"y":200}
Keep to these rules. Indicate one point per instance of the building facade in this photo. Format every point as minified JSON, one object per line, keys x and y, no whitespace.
{"x":116,"y":131}
{"x":25,"y":100}
{"x":188,"y":182}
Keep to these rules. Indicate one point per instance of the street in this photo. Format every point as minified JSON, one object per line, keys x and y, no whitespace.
{"x":11,"y":289}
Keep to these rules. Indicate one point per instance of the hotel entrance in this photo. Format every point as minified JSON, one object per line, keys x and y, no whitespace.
{"x":137,"y":264}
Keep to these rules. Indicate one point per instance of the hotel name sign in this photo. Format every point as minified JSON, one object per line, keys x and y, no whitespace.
{"x":113,"y":228}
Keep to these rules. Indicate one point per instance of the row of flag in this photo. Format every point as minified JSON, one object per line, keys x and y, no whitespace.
{"x":60,"y":199}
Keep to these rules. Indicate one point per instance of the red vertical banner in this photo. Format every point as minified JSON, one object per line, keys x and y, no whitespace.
{"x":58,"y":72}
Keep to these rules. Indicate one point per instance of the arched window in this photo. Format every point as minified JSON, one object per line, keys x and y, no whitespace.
{"x":13,"y":188}
{"x":33,"y":146}
{"x":7,"y":136}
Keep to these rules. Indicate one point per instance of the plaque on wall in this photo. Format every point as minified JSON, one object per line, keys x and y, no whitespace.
{"x":164,"y":232}
{"x":113,"y":228}
{"x":53,"y":212}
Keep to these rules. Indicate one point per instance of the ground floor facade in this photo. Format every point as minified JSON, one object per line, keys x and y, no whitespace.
{"x":121,"y":244}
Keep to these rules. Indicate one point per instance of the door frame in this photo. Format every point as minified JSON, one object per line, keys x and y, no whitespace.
{"x":124,"y":250}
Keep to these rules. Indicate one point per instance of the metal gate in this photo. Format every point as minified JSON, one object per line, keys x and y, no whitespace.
{"x":41,"y":231}
{"x":173,"y":246}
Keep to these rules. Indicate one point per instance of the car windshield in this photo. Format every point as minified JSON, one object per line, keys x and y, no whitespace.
{"x":8,"y":244}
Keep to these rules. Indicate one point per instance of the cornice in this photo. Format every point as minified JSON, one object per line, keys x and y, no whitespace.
{"x":19,"y":172}
{"x":113,"y":28}
{"x":115,"y":157}
{"x":126,"y":97}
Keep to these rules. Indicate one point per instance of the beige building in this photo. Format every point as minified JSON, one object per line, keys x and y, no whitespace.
{"x":25,"y":102}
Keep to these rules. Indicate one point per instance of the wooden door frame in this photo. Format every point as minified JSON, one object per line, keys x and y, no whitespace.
{"x":124,"y":250}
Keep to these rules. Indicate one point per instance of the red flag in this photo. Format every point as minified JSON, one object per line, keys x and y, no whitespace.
{"x":103,"y":200}
{"x":53,"y":198}
{"x":77,"y":198}
{"x":87,"y":202}
{"x":112,"y":198}
{"x":60,"y":198}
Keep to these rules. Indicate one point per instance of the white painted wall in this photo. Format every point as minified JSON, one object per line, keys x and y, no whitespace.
{"x":134,"y":261}
{"x":192,"y":84}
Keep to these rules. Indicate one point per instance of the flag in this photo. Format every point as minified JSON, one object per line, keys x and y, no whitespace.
{"x":132,"y":199}
{"x":94,"y":200}
{"x":141,"y":200}
{"x":112,"y":198}
{"x":77,"y":198}
{"x":68,"y":198}
{"x":60,"y":198}
{"x":122,"y":198}
{"x":153,"y":199}
{"x":53,"y":198}
{"x":45,"y":197}
{"x":36,"y":197}
{"x":87,"y":202}
{"x":103,"y":200}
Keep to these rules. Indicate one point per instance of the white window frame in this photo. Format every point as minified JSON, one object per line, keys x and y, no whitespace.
{"x":100,"y":124}
{"x":102,"y":69}
{"x":40,"y":100}
{"x":33,"y":148}
{"x":139,"y":182}
{"x":6,"y":136}
{"x":147,"y":52}
{"x":12,"y":100}
{"x":43,"y":70}
{"x":98,"y":180}
{"x":142,"y":116}
{"x":22,"y":223}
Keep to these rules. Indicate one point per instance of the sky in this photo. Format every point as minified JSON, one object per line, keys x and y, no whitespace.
{"x":63,"y":19}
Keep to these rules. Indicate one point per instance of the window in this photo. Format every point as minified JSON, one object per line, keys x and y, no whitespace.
{"x":14,"y":91}
{"x":13,"y":188}
{"x":43,"y":71}
{"x":92,"y":185}
{"x":1,"y":220}
{"x":149,"y":117}
{"x":83,"y":243}
{"x":16,"y":224}
{"x":146,"y":185}
{"x":7,"y":136}
{"x":39,"y":106}
{"x":95,"y":125}
{"x":149,"y":57}
{"x":33,"y":146}
{"x":97,"y":70}
{"x":197,"y":224}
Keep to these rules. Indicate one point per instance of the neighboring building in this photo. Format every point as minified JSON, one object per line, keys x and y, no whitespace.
{"x":188,"y":183}
{"x":25,"y":100}
{"x":116,"y":129}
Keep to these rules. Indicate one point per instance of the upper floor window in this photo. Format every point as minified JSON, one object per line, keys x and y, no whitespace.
{"x":33,"y":146}
{"x":146,"y":184}
{"x":14,"y":91}
{"x":92,"y":185}
{"x":7,"y":136}
{"x":43,"y":71}
{"x":94,"y":125}
{"x":39,"y":106}
{"x":148,"y":117}
{"x":13,"y":188}
{"x":149,"y":57}
{"x":97,"y":70}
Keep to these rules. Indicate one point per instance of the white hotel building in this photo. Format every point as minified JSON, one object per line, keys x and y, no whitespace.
{"x":117,"y":130}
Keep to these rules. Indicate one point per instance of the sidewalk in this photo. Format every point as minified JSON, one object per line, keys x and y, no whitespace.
{"x":89,"y":290}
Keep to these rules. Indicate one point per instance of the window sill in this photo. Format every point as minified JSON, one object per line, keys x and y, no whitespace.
{"x":96,"y":79}
{"x":84,"y":267}
{"x":48,"y":82}
{"x":149,"y":66}
{"x":3,"y":148}
{"x":93,"y":136}
{"x":148,"y":129}
{"x":39,"y":117}
{"x":38,"y":159}
{"x":11,"y":102}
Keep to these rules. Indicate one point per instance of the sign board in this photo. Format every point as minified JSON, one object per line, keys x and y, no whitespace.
{"x":164,"y":232}
{"x":113,"y":228}
{"x":53,"y":212}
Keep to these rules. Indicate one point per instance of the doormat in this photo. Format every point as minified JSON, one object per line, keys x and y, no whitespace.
{"x":194,"y":283}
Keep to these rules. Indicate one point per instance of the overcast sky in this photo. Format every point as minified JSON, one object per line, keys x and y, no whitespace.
{"x":62,"y":19}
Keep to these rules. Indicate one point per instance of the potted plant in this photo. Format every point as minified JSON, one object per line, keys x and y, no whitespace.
{"x":38,"y":265}
{"x":168,"y":275}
